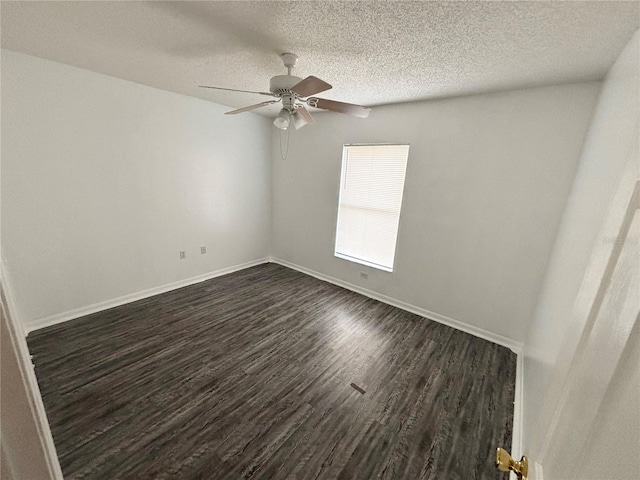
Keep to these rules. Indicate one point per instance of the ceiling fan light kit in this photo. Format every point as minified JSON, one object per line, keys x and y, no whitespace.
{"x":294,"y":92}
{"x":282,"y":120}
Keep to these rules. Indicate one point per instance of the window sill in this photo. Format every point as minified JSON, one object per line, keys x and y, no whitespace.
{"x":363,"y":262}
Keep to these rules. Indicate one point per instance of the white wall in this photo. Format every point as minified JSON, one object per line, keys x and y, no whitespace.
{"x":551,"y":339}
{"x":104,"y":181}
{"x":487,"y":180}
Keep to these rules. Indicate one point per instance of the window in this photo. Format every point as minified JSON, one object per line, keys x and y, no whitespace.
{"x":371,"y":189}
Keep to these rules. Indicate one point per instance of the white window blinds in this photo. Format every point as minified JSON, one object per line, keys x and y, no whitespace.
{"x":370,"y":200}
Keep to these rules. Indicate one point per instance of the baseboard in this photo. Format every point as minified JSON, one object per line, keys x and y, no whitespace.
{"x":518,"y":404}
{"x":513,"y":345}
{"x":116,"y":302}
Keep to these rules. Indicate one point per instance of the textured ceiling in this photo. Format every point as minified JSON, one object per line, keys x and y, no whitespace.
{"x":371,"y":52}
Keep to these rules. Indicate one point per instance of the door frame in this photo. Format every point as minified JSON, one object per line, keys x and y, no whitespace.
{"x":27,"y":373}
{"x":561,"y":394}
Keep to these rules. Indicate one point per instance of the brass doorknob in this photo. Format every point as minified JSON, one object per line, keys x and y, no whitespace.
{"x":504,"y":462}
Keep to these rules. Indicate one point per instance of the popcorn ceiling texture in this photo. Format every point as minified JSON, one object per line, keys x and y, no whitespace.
{"x":371,"y":52}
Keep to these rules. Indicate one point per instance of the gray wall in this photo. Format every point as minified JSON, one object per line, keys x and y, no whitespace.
{"x":611,"y":143}
{"x":487,"y":180}
{"x":104,"y":181}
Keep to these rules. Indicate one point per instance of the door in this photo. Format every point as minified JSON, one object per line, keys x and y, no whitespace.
{"x":595,"y":431}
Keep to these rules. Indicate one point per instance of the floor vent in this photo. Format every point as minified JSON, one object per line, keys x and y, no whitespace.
{"x":357,"y":388}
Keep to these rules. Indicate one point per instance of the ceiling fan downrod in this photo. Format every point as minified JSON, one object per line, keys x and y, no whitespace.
{"x":289,"y":60}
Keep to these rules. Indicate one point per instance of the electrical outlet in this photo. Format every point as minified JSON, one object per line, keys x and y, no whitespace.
{"x":364,"y":276}
{"x":203,"y":249}
{"x":183,"y":254}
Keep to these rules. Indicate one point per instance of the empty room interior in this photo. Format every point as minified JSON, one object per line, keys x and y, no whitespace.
{"x":320,"y":240}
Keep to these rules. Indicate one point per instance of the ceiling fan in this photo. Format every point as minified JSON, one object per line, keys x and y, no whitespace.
{"x":294,"y":92}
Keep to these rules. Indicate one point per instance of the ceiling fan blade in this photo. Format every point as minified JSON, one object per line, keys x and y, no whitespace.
{"x":304,"y":113}
{"x":251,"y":107}
{"x":234,"y":90}
{"x":310,"y":86}
{"x":340,"y":107}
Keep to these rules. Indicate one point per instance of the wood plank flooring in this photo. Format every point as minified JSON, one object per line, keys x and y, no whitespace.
{"x":268,"y":373}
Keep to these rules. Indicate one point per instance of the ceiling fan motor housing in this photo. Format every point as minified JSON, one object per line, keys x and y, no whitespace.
{"x":281,"y":84}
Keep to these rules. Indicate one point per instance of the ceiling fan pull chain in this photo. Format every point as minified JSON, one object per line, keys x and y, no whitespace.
{"x":284,"y":157}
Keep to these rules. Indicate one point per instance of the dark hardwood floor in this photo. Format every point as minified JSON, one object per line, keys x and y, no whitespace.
{"x":270,"y":373}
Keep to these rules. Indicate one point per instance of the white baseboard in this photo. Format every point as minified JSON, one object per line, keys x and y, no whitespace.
{"x":98,"y":307}
{"x":518,"y":403}
{"x":513,"y":345}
